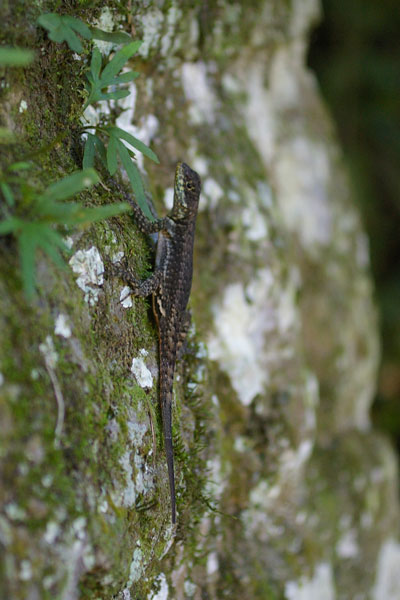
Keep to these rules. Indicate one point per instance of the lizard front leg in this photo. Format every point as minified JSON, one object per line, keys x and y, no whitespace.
{"x":145,"y":225}
{"x":141,"y":288}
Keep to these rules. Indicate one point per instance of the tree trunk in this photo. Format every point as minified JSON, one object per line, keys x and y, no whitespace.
{"x":284,"y":490}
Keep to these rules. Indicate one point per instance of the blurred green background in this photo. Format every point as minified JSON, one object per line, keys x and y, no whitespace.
{"x":355,"y":53}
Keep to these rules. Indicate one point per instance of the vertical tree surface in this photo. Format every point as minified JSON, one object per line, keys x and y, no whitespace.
{"x":283,"y":488}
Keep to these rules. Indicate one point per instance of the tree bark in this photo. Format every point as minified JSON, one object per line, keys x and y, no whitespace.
{"x":284,"y":490}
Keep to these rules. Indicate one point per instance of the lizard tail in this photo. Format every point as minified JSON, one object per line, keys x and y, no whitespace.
{"x":167,"y":428}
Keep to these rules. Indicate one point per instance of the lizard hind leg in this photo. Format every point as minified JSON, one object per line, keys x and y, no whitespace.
{"x":184,"y":328}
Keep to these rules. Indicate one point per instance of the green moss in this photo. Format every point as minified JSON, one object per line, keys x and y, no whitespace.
{"x":85,"y":474}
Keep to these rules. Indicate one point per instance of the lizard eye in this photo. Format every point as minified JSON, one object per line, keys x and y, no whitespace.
{"x":189,"y":186}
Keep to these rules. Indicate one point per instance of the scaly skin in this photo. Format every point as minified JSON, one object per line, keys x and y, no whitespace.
{"x":170,"y":286}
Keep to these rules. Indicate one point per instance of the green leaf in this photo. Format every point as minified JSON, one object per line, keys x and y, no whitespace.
{"x":65,"y":33}
{"x":49,"y":245}
{"x":134,"y":178}
{"x":6,"y":136}
{"x":27,"y":247}
{"x":7,"y":193}
{"x":88,"y":154}
{"x":49,"y":210}
{"x":49,"y":21}
{"x":98,"y":213}
{"x":124,"y":78}
{"x":97,"y":82}
{"x":19,"y":166}
{"x":124,"y":135}
{"x":115,"y":95}
{"x":57,"y":240}
{"x":62,"y":28}
{"x":78,"y":25}
{"x":52,"y":242}
{"x":101,"y":150}
{"x":15,"y":57}
{"x":119,"y":59}
{"x":116,"y":37}
{"x":71,"y":185}
{"x":95,"y":64}
{"x":31,"y":237}
{"x":112,"y":155}
{"x":9,"y":225}
{"x":55,"y":212}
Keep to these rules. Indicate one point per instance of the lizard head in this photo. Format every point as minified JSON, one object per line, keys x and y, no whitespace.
{"x":187,"y":191}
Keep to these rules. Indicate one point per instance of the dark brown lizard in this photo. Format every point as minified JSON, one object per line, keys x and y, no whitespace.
{"x":170,"y":286}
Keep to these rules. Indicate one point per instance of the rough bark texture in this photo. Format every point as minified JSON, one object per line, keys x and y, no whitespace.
{"x":284,"y":490}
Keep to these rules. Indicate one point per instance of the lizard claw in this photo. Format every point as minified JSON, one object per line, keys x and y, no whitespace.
{"x":110,"y":268}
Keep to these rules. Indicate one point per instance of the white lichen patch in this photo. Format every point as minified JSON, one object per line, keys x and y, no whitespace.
{"x":147,"y":128}
{"x":253,"y":220}
{"x":139,"y":476}
{"x":51,"y":532}
{"x":261,"y":122}
{"x":162,"y":588}
{"x":238,"y":340}
{"x":127,"y":105}
{"x":125,"y":297}
{"x":213,"y":192}
{"x":105,"y":22}
{"x":301,"y":166}
{"x":25,"y":572}
{"x":189,"y":588}
{"x":49,"y":352}
{"x":128,"y":495}
{"x":136,"y":567}
{"x":169,"y":198}
{"x":15,"y":512}
{"x":242,"y":319}
{"x":136,"y":431}
{"x":200,"y":165}
{"x":22,"y":106}
{"x":144,"y":475}
{"x":116,"y":257}
{"x":230,"y":84}
{"x":265,"y":194}
{"x":362,"y":250}
{"x":5,"y":532}
{"x":151,"y":23}
{"x":303,"y":174}
{"x":79,"y":527}
{"x":320,"y":586}
{"x":35,"y":374}
{"x":174,"y":15}
{"x":103,"y":506}
{"x":90,"y":117}
{"x":302,"y":14}
{"x":241,"y":444}
{"x":216,"y":482}
{"x":62,"y":326}
{"x":212,"y":563}
{"x":47,"y":480}
{"x":268,"y":501}
{"x":141,"y":372}
{"x":387,"y":581}
{"x":69,"y":241}
{"x":198,"y":92}
{"x":90,"y":268}
{"x":347,"y":545}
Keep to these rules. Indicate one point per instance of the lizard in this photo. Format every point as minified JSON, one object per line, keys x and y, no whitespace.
{"x":170,"y":286}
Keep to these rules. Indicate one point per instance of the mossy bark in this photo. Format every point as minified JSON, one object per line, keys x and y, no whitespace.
{"x":284,"y":490}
